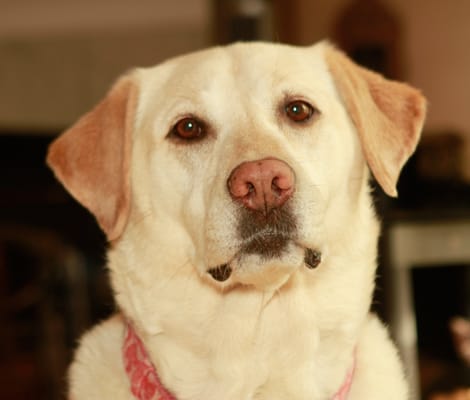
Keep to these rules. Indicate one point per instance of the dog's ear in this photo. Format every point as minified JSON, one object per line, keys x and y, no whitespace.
{"x":92,"y":158}
{"x":388,"y":116}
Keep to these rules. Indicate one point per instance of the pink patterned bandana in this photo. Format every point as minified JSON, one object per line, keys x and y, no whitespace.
{"x":145,"y":384}
{"x":343,"y":391}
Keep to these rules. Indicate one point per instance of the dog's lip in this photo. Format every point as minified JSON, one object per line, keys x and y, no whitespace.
{"x":266,"y":243}
{"x":223,"y":272}
{"x":313,"y":258}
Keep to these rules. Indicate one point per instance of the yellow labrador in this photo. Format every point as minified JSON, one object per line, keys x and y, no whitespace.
{"x":232,"y":185}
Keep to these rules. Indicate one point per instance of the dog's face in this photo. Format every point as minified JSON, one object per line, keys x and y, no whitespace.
{"x":248,"y":163}
{"x":221,"y":139}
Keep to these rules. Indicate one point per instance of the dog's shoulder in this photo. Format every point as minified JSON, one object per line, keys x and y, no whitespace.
{"x":97,"y":360}
{"x":377,"y":365}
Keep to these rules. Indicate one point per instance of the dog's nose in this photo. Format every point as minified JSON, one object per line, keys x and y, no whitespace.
{"x":263,"y":184}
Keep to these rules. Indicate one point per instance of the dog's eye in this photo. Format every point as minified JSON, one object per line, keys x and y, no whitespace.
{"x":189,"y":129}
{"x":299,"y":111}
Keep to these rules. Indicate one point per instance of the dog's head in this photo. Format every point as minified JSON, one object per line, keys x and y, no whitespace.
{"x":242,"y":163}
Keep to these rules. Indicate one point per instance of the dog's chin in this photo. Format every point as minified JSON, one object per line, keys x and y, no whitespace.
{"x":265,"y":271}
{"x":268,"y":273}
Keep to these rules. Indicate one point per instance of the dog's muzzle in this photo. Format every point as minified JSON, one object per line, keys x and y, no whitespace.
{"x":263,"y":188}
{"x":267,"y":225}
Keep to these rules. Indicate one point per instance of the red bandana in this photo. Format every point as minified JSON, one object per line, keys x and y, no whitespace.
{"x":343,"y":391}
{"x":145,"y":384}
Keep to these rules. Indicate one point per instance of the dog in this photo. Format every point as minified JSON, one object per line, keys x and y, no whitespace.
{"x":233,"y":187}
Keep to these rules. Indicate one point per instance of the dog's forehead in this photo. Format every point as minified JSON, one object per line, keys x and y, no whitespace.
{"x":240,"y":71}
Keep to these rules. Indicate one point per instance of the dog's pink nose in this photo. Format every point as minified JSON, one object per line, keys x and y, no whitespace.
{"x":263,"y":184}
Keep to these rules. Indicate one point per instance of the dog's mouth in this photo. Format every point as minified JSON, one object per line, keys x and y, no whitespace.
{"x":223,"y":272}
{"x":267,"y":234}
{"x":268,"y":239}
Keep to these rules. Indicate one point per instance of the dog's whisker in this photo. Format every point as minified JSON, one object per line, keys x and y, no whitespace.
{"x":175,"y":272}
{"x":143,"y":217}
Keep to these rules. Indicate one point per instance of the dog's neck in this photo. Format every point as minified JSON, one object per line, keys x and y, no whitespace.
{"x":146,"y":385}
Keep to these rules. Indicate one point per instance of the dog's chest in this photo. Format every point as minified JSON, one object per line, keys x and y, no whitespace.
{"x":256,"y":356}
{"x":258,"y":382}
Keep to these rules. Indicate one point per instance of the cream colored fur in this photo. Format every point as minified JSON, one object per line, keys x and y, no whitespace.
{"x":276,"y":329}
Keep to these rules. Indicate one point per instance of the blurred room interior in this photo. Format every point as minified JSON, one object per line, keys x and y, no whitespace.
{"x":57,"y":59}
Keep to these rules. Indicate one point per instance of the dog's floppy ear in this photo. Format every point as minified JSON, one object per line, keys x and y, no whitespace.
{"x":92,"y":158}
{"x":388,"y":116}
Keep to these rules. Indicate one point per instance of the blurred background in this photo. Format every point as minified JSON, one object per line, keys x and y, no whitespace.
{"x":58,"y":58}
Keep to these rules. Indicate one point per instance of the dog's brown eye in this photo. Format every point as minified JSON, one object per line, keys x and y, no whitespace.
{"x":299,"y":111}
{"x":189,"y":129}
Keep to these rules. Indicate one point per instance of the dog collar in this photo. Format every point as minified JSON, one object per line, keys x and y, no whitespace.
{"x":145,"y":383}
{"x":343,"y":392}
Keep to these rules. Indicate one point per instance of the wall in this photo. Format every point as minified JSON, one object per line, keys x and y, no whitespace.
{"x":436,"y":54}
{"x":59,"y":57}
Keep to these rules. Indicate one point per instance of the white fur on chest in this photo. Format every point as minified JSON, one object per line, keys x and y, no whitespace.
{"x":246,"y":344}
{"x":99,"y":360}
